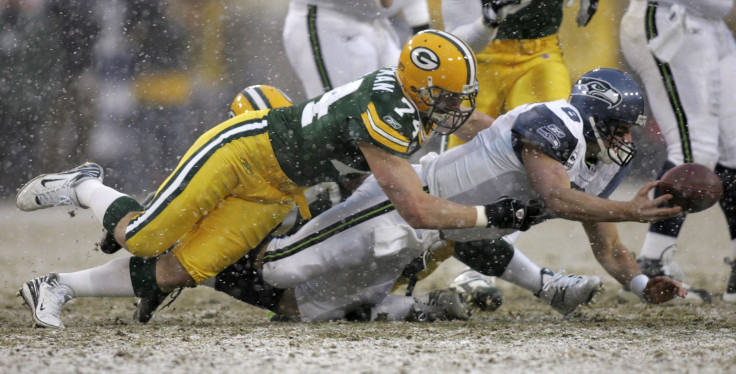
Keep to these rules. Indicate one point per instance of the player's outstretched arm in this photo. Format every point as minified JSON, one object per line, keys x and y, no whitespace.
{"x":615,"y":258}
{"x":610,"y":252}
{"x":403,"y":187}
{"x":549,"y":178}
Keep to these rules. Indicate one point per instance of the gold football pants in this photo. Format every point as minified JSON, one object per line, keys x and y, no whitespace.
{"x":516,"y":72}
{"x":223,"y":198}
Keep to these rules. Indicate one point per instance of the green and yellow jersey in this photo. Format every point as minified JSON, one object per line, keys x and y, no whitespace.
{"x":372,"y":109}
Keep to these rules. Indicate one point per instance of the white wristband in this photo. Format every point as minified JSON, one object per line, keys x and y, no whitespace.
{"x":481,"y":220}
{"x":638,"y":284}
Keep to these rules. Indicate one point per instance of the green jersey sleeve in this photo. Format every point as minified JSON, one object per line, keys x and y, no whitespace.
{"x":373,"y":109}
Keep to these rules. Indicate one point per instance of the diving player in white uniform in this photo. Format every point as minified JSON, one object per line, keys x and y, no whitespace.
{"x":349,"y":256}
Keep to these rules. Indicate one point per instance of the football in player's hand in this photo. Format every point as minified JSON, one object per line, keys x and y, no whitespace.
{"x":694,"y":187}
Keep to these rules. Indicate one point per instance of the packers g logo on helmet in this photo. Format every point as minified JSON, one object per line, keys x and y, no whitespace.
{"x":258,"y":97}
{"x":425,"y":59}
{"x":437,"y":71}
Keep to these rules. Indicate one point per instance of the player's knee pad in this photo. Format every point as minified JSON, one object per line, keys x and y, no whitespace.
{"x":728,"y":199}
{"x":489,"y":257}
{"x":143,"y":276}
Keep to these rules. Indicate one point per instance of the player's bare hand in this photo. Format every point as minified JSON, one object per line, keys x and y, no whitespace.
{"x":652,"y":210}
{"x":661,"y":289}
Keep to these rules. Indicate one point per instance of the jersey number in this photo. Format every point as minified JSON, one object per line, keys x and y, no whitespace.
{"x":316,"y":110}
{"x":571,"y":113}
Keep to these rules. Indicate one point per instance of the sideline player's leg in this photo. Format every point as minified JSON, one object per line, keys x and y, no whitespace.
{"x":728,"y":204}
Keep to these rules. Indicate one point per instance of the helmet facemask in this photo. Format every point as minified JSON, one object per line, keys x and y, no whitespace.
{"x":611,"y":143}
{"x":445,"y":113}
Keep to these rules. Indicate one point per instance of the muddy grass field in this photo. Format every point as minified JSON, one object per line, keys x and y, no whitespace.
{"x":207,"y":332}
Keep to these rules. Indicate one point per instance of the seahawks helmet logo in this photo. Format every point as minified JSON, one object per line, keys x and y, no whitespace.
{"x":601,"y":90}
{"x":425,"y":59}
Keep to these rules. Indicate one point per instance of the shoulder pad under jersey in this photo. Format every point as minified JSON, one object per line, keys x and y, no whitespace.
{"x":391,"y":119}
{"x":541,"y":126}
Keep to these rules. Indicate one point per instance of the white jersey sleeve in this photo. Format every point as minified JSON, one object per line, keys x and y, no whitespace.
{"x":489,"y":166}
{"x":416,"y":12}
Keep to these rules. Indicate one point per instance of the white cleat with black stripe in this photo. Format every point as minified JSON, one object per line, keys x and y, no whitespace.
{"x":45,"y":297}
{"x":48,"y":190}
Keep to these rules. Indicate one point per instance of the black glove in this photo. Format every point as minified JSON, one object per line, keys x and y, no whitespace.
{"x":494,"y":11}
{"x":586,"y":12}
{"x":510,"y":213}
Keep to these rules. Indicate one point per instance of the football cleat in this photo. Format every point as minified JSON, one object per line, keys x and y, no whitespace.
{"x":443,"y":305}
{"x":666,"y":266}
{"x":730,"y":295}
{"x":478,"y":290}
{"x":564,"y":293}
{"x":146,"y":307}
{"x":108,"y":244}
{"x":45,"y":296}
{"x":48,"y":190}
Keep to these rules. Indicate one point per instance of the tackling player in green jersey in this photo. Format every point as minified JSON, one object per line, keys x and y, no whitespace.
{"x":239,"y":179}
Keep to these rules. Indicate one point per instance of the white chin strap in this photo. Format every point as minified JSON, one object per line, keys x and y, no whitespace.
{"x":603,"y":150}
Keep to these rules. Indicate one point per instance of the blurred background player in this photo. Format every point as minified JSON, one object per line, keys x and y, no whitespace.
{"x":685,"y":55}
{"x":519,"y":59}
{"x":332,"y":42}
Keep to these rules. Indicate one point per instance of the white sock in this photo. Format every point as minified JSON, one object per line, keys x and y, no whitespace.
{"x":522,"y":272}
{"x":91,"y":193}
{"x":109,"y":280}
{"x":394,"y":307}
{"x":655,"y":244}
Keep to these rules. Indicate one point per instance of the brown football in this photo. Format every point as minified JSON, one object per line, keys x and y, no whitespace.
{"x":694,"y":187}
